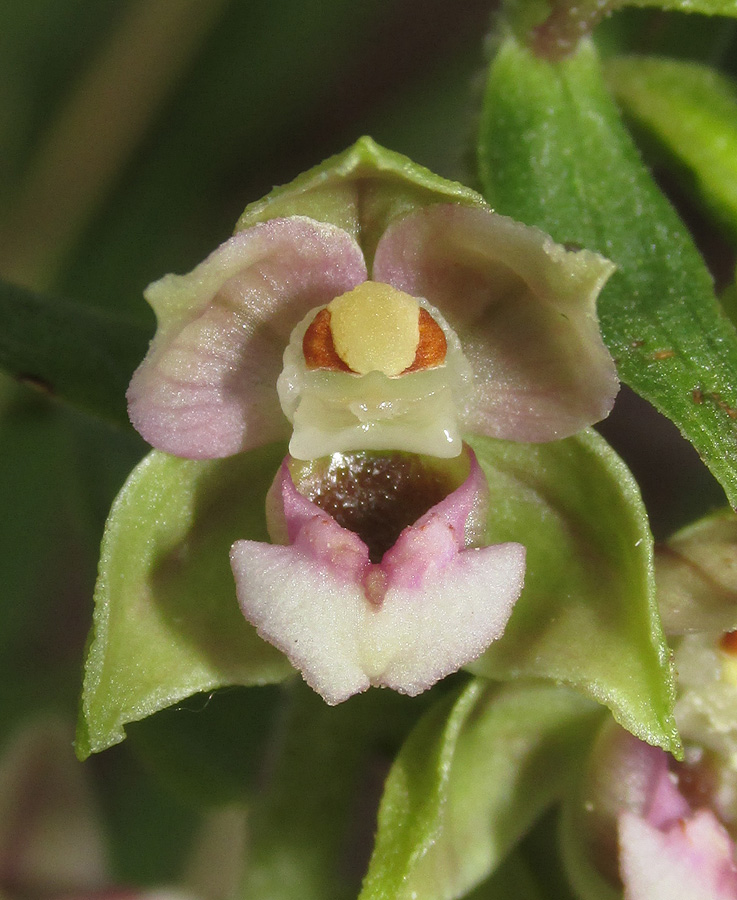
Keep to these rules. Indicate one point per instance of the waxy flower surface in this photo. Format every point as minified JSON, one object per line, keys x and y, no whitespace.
{"x":375,"y":355}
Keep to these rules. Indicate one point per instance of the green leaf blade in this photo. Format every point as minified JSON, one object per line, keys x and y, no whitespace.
{"x":486,"y":766}
{"x":554,"y":153}
{"x":309,"y":822}
{"x":587,"y":616}
{"x":692,"y":111}
{"x":74,"y":352}
{"x":414,"y":796}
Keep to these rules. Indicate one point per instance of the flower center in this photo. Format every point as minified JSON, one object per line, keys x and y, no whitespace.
{"x":377,"y":495}
{"x":375,"y":369}
{"x":374,"y":328}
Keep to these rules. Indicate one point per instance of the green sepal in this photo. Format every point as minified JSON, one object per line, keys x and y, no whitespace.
{"x":167,"y":623}
{"x":360,"y":190}
{"x":473,"y":776}
{"x":553,"y":153}
{"x":588,"y":615}
{"x":691,"y":110}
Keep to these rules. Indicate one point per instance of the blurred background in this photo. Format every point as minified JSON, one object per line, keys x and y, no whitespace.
{"x":132,"y":135}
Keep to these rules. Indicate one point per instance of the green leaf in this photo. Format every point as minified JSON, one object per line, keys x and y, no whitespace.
{"x":71,"y":351}
{"x":587,"y":616}
{"x":167,"y":623}
{"x":360,"y":190}
{"x":692,"y":111}
{"x":312,"y":821}
{"x":473,"y":776}
{"x":553,"y":153}
{"x":414,"y":796}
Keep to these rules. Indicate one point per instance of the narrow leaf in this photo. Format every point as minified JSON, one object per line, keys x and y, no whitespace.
{"x":553,"y":153}
{"x":414,"y":796}
{"x":73,"y":352}
{"x":587,"y":616}
{"x":692,"y":111}
{"x":471,"y":779}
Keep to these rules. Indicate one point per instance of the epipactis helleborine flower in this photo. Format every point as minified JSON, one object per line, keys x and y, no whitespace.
{"x":677,"y":822}
{"x":462,"y":319}
{"x":672,"y":845}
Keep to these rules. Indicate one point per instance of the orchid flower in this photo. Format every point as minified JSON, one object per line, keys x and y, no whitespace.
{"x":675,"y":821}
{"x":373,"y":347}
{"x":671,"y":845}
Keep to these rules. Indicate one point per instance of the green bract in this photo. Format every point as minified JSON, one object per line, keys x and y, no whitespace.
{"x":472,"y":778}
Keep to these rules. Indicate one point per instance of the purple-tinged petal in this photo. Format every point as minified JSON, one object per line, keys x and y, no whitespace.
{"x":692,"y":859}
{"x":207,"y":387}
{"x":429,"y":607}
{"x":524,"y":309}
{"x":631,"y":775}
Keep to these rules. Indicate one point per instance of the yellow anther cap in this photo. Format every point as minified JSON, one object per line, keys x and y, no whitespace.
{"x":375,"y":328}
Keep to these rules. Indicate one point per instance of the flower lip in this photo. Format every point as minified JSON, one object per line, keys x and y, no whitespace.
{"x":432,"y":604}
{"x":376,"y":495}
{"x":667,"y":848}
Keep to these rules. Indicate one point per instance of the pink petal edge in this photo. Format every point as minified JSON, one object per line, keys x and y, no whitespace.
{"x":691,"y":859}
{"x":524,"y":309}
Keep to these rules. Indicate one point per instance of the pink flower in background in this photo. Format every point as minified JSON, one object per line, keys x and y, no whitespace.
{"x":669,"y":851}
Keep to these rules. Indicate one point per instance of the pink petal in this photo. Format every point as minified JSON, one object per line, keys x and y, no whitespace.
{"x":524,"y":309}
{"x":634,"y":776}
{"x":693,"y":859}
{"x":207,"y":387}
{"x":431,"y":605}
